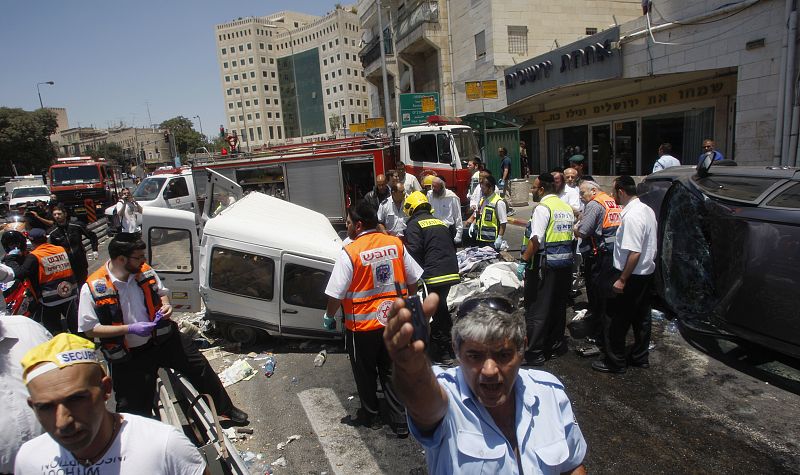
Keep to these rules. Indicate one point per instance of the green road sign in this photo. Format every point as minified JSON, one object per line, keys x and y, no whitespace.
{"x":416,"y":107}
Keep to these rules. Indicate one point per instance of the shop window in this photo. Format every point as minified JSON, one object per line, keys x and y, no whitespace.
{"x":518,"y":40}
{"x":480,"y":45}
{"x":305,"y":286}
{"x":241,"y":273}
{"x":591,"y":31}
{"x":564,"y":143}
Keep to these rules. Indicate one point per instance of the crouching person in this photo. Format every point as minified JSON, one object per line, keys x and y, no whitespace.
{"x":486,"y":415}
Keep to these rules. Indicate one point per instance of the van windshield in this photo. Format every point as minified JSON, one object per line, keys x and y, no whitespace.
{"x":32,"y":191}
{"x":75,"y":175}
{"x":148,"y":189}
{"x":466,"y":144}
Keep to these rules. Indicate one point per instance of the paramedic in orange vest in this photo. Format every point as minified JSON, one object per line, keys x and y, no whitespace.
{"x":362,"y":283}
{"x":598,"y":226}
{"x":48,"y":270}
{"x":125,"y":305}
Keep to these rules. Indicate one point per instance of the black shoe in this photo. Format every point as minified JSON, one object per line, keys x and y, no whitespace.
{"x":637,"y":364}
{"x":537,"y":360}
{"x":603,"y":367}
{"x":401,"y":430}
{"x":236,"y":415}
{"x":367,"y":419}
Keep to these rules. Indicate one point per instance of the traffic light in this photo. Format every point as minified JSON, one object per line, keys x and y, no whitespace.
{"x":222,"y":131}
{"x":166,"y":137}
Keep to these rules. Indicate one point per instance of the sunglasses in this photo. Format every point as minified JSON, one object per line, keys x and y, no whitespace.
{"x":495,"y":303}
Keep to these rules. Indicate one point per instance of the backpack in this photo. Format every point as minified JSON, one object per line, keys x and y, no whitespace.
{"x":116,"y":219}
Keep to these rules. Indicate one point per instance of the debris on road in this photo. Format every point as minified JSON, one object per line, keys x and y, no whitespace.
{"x":244,"y":430}
{"x":580,"y":315}
{"x":280,"y":462}
{"x":319,"y":360}
{"x":282,"y":445}
{"x":269,"y":366}
{"x":240,"y":370}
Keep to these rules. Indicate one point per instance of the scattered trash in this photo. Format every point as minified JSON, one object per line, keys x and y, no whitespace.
{"x":282,"y":445}
{"x":248,"y":456}
{"x":656,"y":315}
{"x":252,"y":354}
{"x":580,"y":315}
{"x":260,"y":356}
{"x":651,"y":346}
{"x":319,"y":360}
{"x":244,"y":430}
{"x":672,"y":326}
{"x":269,"y":366}
{"x":350,"y":398}
{"x":281,"y":462}
{"x":294,"y":380}
{"x":238,"y":371}
{"x":230,"y":433}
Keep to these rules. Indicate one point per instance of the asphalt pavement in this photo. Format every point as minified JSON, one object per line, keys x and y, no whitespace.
{"x":703,"y":406}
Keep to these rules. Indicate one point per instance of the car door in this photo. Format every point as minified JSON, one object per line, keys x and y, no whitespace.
{"x":176,"y":194}
{"x":303,"y":298}
{"x":221,"y":192}
{"x":173,"y":251}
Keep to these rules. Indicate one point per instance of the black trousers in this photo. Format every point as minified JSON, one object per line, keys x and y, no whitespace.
{"x":135,"y":380}
{"x":597,"y":289}
{"x":51,"y":317}
{"x":546,"y":309}
{"x":626,"y":310}
{"x":370,"y":360}
{"x":441,"y":341}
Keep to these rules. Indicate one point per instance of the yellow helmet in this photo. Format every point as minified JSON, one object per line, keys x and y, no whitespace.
{"x":413,"y":201}
{"x":428,"y":180}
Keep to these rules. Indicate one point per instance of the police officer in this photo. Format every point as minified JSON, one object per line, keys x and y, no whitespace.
{"x":363,"y":283}
{"x":488,"y":224}
{"x":429,"y":243}
{"x":597,"y":228}
{"x":124,"y":304}
{"x":70,"y":237}
{"x":547,"y":267}
{"x":48,"y":270}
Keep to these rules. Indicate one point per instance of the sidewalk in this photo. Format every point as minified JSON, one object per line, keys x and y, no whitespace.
{"x":522,"y":214}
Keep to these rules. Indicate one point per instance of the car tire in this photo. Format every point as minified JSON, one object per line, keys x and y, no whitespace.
{"x":240,"y":334}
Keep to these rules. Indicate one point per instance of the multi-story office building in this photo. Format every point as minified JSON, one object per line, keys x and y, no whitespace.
{"x":140,"y":145}
{"x":440,"y":45}
{"x":289,"y":71}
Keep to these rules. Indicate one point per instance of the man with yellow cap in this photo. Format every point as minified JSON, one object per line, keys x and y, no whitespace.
{"x":68,"y":389}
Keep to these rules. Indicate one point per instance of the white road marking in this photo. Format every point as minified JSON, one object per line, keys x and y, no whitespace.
{"x":342,"y":444}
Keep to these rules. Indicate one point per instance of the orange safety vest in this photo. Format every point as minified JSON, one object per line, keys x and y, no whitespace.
{"x":108,"y":310}
{"x":612,"y":217}
{"x":57,"y":283}
{"x":377,"y":264}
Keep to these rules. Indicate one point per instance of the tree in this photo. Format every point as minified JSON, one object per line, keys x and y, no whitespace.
{"x":25,"y":140}
{"x":182,"y":132}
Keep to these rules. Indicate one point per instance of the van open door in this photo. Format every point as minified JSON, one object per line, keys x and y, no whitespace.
{"x":221,"y":192}
{"x":173,"y":251}
{"x":303,"y":298}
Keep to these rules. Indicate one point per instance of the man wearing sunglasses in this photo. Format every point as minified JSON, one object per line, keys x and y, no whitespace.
{"x":486,"y":415}
{"x":547,"y":268}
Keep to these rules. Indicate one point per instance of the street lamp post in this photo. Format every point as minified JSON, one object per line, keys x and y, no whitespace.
{"x":244,"y":118}
{"x":50,"y":83}
{"x":294,"y":78}
{"x":199,"y":122}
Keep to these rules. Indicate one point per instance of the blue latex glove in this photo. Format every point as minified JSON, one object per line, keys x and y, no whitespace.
{"x":159,"y":316}
{"x":142,"y":328}
{"x":328,"y":322}
{"x":498,"y":242}
{"x":521,"y":270}
{"x":501,"y":183}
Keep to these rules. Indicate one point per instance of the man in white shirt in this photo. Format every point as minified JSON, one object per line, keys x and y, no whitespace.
{"x":634,"y":263}
{"x":391,"y":219}
{"x":447,"y":207}
{"x":665,"y":158}
{"x":126,"y":211}
{"x":68,"y":392}
{"x":408,"y":180}
{"x":568,"y":194}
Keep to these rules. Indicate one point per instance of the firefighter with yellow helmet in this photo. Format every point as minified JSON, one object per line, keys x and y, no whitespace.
{"x":429,"y":242}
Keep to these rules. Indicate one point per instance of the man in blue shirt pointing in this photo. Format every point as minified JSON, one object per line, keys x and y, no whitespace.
{"x":486,"y":415}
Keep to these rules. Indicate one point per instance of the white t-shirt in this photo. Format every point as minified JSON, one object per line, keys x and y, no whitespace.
{"x":571,"y":196}
{"x":411,"y":184}
{"x":142,"y":446}
{"x":131,"y":301}
{"x":664,"y":162}
{"x":126,"y":211}
{"x":342,"y":272}
{"x":637,"y":233}
{"x":392,"y":217}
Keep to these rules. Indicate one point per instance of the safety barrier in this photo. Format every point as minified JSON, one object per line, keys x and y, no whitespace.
{"x":99,"y":227}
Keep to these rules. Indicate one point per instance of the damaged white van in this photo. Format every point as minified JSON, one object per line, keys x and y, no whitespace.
{"x":256,"y":261}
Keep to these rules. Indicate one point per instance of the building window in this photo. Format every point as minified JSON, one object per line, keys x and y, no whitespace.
{"x":250,"y":60}
{"x":480,"y":45}
{"x":272,"y":73}
{"x":271,"y":60}
{"x":258,"y":115}
{"x":269,"y":115}
{"x":230,"y":92}
{"x":247,"y":104}
{"x":260,"y":135}
{"x":230,"y":105}
{"x":329,"y":106}
{"x":518,"y":40}
{"x":227,"y":79}
{"x":224,"y":50}
{"x":271,"y":133}
{"x":279,"y":132}
{"x":249,"y":116}
{"x":269,"y":47}
{"x":233,"y":119}
{"x":277,"y":114}
{"x":225,"y":65}
{"x":264,"y":74}
{"x":255,"y":102}
{"x":591,"y":31}
{"x":234,"y":63}
{"x":241,"y":48}
{"x":246,"y":89}
{"x":261,"y":46}
{"x":275,"y":88}
{"x":252,"y":74}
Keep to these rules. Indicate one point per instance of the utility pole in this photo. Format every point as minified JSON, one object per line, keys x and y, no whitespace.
{"x":383,"y":65}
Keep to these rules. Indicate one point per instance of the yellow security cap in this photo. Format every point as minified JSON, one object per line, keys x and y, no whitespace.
{"x":64,"y":349}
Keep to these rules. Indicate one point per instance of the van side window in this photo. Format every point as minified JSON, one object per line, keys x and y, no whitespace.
{"x":176,"y":188}
{"x":789,"y":198}
{"x":304,"y":286}
{"x":242,"y":273}
{"x":170,"y":250}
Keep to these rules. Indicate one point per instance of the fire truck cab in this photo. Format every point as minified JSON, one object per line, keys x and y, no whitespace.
{"x":442,"y":146}
{"x":85,"y":185}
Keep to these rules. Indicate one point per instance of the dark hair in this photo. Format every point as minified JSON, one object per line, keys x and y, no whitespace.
{"x":502,"y":150}
{"x":666,"y":147}
{"x":557,"y":169}
{"x":124,"y":244}
{"x":547,"y":182}
{"x":476,"y":161}
{"x":60,"y":207}
{"x":626,"y":184}
{"x":364,"y":212}
{"x":492,"y":181}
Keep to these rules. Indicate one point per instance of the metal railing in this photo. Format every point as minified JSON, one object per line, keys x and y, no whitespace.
{"x":426,"y":12}
{"x":371,"y":52}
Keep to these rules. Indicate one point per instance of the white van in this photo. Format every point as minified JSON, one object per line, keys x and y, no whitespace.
{"x":257,"y":263}
{"x":165,"y":190}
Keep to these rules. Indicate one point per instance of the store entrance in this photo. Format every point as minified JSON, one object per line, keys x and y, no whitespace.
{"x":625,"y":146}
{"x":601,"y":156}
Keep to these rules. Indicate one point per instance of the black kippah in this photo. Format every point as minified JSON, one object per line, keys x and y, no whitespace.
{"x":546,"y":178}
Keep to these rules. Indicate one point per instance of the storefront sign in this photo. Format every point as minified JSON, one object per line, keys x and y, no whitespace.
{"x":592,"y":59}
{"x":700,"y":90}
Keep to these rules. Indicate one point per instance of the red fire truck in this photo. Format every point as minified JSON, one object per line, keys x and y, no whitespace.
{"x":85,"y":185}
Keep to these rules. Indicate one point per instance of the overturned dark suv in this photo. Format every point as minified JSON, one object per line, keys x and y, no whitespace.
{"x":729,"y":242}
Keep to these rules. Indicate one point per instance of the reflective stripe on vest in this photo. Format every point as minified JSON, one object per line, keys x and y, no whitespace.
{"x":487,"y":219}
{"x":57,"y":283}
{"x":377,"y":264}
{"x":558,"y":238}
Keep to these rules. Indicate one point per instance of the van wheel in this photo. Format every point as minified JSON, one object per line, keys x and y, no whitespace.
{"x":240,"y":334}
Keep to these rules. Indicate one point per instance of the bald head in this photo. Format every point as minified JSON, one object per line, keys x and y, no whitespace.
{"x":380,"y":181}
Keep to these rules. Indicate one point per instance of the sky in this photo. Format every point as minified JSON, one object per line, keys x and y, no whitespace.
{"x":109,"y":59}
